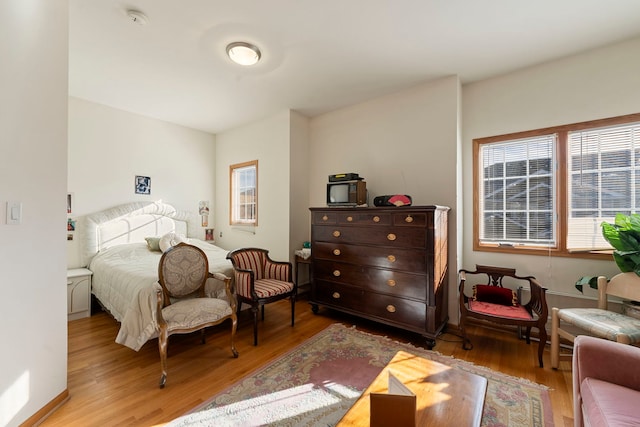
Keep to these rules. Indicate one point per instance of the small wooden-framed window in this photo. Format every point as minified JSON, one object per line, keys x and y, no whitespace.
{"x":547,"y":191}
{"x":243,"y":181}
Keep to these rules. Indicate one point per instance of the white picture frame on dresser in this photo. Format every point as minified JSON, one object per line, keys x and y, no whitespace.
{"x":78,"y":293}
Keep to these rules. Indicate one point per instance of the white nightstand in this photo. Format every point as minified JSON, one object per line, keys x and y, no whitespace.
{"x":78,"y":293}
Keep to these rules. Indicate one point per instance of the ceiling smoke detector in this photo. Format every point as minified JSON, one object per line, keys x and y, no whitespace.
{"x":137,"y":17}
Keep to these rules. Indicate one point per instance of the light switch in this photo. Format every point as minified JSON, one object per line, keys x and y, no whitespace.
{"x":14,"y":212}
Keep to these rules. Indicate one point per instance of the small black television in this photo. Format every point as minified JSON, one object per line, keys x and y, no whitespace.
{"x":347,"y":193}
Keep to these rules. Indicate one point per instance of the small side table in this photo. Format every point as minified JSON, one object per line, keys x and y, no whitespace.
{"x":301,"y":261}
{"x":78,"y":293}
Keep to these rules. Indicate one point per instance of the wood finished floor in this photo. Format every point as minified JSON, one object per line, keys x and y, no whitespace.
{"x":112,"y":385}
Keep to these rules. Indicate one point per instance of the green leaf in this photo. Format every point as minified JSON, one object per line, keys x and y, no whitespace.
{"x":634,"y":222}
{"x":611,"y":235}
{"x":624,"y":236}
{"x":592,"y":281}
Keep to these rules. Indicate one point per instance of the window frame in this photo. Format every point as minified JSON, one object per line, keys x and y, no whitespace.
{"x":233,"y":206}
{"x":562,"y":191}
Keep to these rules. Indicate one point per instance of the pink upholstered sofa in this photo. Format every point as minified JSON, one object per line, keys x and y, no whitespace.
{"x":606,"y":383}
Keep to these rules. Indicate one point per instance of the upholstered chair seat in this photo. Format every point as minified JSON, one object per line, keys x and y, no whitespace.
{"x":194,"y":312}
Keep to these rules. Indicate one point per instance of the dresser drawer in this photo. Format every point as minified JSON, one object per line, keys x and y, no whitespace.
{"x":412,"y":260}
{"x":393,"y":309}
{"x":364,"y":218}
{"x":337,"y":294}
{"x":372,"y":279}
{"x":326,"y":217}
{"x":402,"y":237}
{"x":410,"y":219}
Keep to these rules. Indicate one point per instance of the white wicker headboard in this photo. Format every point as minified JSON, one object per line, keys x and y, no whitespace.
{"x":131,"y":223}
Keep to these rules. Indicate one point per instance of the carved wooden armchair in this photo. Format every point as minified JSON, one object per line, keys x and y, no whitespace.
{"x":486,"y":298}
{"x":182,"y":305}
{"x":260,"y":280}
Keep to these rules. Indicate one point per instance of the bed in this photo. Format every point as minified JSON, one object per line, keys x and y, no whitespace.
{"x":125,"y":269}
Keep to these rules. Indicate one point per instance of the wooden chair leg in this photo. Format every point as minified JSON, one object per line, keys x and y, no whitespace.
{"x":254,"y":310}
{"x":555,"y":338}
{"x":466,"y":342}
{"x":542,"y":343}
{"x":293,"y":309}
{"x":162,"y":347}
{"x":234,"y":328}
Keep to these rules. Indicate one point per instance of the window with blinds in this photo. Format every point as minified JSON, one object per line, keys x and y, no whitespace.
{"x":548,"y":191}
{"x":518,"y":182}
{"x":604,"y":173}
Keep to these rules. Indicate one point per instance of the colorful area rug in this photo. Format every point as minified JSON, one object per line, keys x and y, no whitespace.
{"x":316,"y":383}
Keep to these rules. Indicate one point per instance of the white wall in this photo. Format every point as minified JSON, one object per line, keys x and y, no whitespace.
{"x":403,"y":143}
{"x":300,"y":217}
{"x":598,"y":84}
{"x":33,"y":164}
{"x":109,"y":147}
{"x":267,"y":141}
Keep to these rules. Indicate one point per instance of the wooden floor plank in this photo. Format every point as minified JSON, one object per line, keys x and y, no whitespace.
{"x":110,"y":384}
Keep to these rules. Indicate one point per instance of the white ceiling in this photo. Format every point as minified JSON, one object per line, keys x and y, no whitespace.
{"x":317,"y":56}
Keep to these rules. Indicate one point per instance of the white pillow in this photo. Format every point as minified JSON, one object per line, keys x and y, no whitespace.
{"x":171,"y":239}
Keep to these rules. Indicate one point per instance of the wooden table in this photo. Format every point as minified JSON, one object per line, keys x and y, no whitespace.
{"x":444,"y":395}
{"x":298,"y":262}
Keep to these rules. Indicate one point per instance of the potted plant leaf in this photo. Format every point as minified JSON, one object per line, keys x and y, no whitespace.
{"x":624,"y":235}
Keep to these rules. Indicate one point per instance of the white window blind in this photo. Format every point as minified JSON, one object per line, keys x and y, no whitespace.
{"x":603,"y":175}
{"x":517,"y":192}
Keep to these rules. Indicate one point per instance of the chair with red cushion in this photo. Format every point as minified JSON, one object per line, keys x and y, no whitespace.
{"x":486,"y":298}
{"x":260,"y":280}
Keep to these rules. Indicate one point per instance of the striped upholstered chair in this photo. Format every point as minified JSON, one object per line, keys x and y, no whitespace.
{"x":260,"y":280}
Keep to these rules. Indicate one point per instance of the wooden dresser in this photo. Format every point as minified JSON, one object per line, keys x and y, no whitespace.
{"x":387,"y":264}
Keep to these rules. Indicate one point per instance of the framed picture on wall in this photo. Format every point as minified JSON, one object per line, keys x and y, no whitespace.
{"x":143,"y":184}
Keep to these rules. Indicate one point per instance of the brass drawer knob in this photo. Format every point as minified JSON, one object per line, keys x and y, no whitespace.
{"x":391,"y":258}
{"x":325,"y":218}
{"x":376,"y":218}
{"x":349,"y":219}
{"x":391,"y":237}
{"x":391,"y":282}
{"x":336,"y":233}
{"x":336,"y":252}
{"x":391,"y":309}
{"x":336,"y":295}
{"x":336,"y":273}
{"x":408,"y":219}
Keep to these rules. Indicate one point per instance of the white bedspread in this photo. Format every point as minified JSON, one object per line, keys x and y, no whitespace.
{"x":125,"y":280}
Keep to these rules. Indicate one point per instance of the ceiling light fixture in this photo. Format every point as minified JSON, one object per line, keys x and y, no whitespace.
{"x":243,"y":53}
{"x":137,"y":17}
